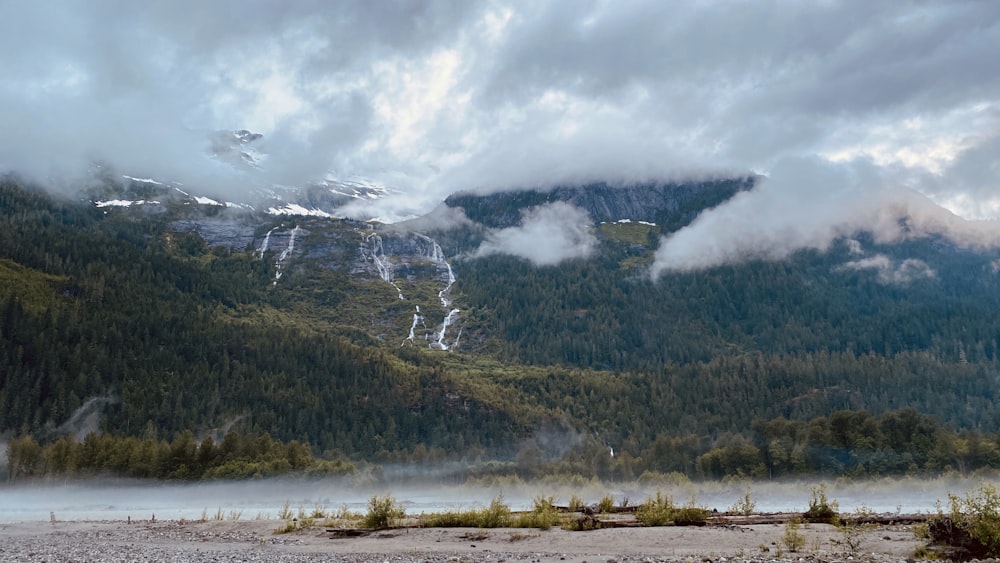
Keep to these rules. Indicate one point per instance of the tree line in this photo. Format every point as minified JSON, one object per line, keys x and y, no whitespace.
{"x":237,"y":456}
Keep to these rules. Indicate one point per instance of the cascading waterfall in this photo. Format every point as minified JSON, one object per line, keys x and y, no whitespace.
{"x":417,"y":319}
{"x":375,"y":251}
{"x":286,"y":253}
{"x":437,"y":255}
{"x":265,"y":243}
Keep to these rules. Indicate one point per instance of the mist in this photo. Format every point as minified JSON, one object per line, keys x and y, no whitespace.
{"x":548,"y":234}
{"x":263,"y":499}
{"x":432,"y":97}
{"x":808,"y":203}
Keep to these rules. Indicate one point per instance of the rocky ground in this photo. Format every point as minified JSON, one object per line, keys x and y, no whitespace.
{"x":256,"y":540}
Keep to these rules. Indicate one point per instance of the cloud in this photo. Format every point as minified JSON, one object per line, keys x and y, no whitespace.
{"x":548,"y":234}
{"x":892,"y":272}
{"x":809,"y":204}
{"x":433,"y":97}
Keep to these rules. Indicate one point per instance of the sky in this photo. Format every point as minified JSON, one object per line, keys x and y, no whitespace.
{"x":839,"y":103}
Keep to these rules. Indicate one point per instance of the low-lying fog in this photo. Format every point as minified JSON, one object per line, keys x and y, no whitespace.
{"x":263,"y":499}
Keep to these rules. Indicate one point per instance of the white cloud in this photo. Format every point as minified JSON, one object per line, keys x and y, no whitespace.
{"x":891,"y":272}
{"x":808,"y":204}
{"x":548,"y":234}
{"x":435,"y":96}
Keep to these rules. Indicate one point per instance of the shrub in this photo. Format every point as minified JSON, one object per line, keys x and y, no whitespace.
{"x":463,"y":519}
{"x":656,"y":511}
{"x":972,"y":527}
{"x":853,"y":528}
{"x":793,"y":538}
{"x":496,"y":515}
{"x":606,"y":505}
{"x":821,"y":509}
{"x":745,"y":505}
{"x":383,"y":512}
{"x":576,"y":504}
{"x":543,"y":515}
{"x":691,"y":514}
{"x":295,"y":525}
{"x":286,"y":512}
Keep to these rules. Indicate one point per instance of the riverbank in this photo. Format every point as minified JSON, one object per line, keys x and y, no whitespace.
{"x":256,"y":540}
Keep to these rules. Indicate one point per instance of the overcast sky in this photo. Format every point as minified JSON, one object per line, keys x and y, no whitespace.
{"x":432,"y":97}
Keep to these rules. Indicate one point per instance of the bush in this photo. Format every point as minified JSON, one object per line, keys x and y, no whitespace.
{"x":656,"y":511}
{"x":745,"y":505}
{"x":972,"y":527}
{"x":793,"y":539}
{"x":606,"y":505}
{"x":463,"y":519}
{"x":691,"y":514}
{"x":496,"y":515}
{"x":544,"y":515}
{"x":383,"y":512}
{"x":853,"y":529}
{"x":821,"y":509}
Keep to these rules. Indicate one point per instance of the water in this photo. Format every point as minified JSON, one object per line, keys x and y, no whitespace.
{"x":119,"y":500}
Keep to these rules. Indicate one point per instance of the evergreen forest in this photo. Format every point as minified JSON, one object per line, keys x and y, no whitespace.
{"x":131,"y":346}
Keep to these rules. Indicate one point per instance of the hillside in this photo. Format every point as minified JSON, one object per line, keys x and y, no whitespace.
{"x":388,"y":343}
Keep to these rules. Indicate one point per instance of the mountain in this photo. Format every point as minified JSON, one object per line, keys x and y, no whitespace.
{"x":670,"y":205}
{"x":239,"y":152}
{"x":408,"y":342}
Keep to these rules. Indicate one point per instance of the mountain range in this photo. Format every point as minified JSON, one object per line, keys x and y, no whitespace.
{"x":523,"y":326}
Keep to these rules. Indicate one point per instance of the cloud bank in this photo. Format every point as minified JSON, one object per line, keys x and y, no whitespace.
{"x":548,"y":234}
{"x":809,"y":204}
{"x":433,"y":97}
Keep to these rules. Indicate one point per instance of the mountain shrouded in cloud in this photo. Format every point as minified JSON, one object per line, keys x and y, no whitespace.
{"x":548,"y":234}
{"x":808,"y":204}
{"x":435,"y":97}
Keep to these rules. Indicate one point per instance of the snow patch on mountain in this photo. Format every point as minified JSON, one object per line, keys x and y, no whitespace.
{"x":143,"y":180}
{"x":124,"y":203}
{"x":296,"y":209}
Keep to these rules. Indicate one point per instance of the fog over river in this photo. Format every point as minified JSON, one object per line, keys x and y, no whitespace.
{"x":264,"y":499}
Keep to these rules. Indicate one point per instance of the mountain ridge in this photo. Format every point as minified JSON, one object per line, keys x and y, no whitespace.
{"x":194,"y":332}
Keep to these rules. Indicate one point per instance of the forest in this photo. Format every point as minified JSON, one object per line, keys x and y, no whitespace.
{"x":763,"y":369}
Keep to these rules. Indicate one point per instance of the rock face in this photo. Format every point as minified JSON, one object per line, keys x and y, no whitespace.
{"x":232,"y":233}
{"x":654,"y":203}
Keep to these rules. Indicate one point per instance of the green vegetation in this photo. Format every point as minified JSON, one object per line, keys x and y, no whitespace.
{"x":763,"y":370}
{"x":383,"y":512}
{"x":745,"y":505}
{"x":496,"y":515}
{"x":971,"y":527}
{"x":853,"y":529}
{"x":606,"y":505}
{"x":235,"y":457}
{"x":691,"y":514}
{"x":656,"y":511}
{"x":821,"y":509}
{"x":793,"y":538}
{"x":543,"y":515}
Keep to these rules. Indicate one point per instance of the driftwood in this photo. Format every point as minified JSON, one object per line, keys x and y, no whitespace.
{"x":590,"y":521}
{"x":339,"y":533}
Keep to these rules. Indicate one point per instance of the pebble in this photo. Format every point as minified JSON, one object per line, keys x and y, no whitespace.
{"x":171,"y":541}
